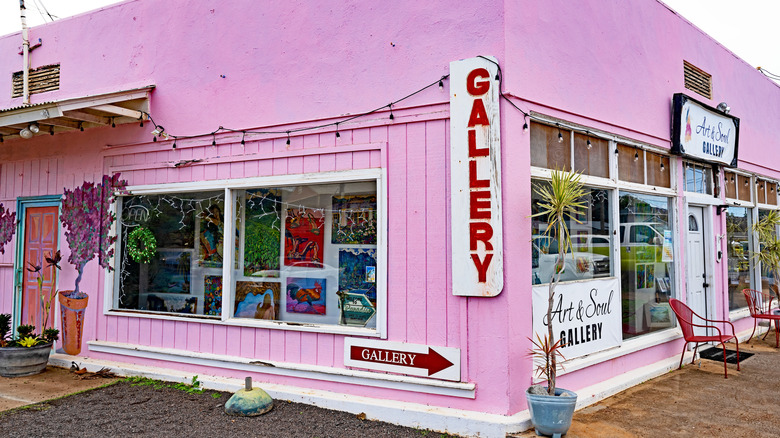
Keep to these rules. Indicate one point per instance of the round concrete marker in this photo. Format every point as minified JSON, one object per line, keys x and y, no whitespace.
{"x":249,"y":402}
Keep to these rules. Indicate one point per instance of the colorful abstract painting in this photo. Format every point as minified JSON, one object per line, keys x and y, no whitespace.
{"x":212,"y":295}
{"x":257,"y":300}
{"x":357,"y":272}
{"x":354,"y":220}
{"x":262,"y":231}
{"x":306,"y":295}
{"x":304,"y":238}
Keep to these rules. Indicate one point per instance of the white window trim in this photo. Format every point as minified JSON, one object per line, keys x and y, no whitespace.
{"x":378,"y":175}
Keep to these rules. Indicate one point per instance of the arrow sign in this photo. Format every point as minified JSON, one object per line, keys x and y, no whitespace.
{"x":398,"y":357}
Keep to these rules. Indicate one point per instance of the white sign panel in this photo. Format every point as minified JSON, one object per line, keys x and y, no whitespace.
{"x":702,"y":132}
{"x":586,"y":316}
{"x":398,"y":357}
{"x":475,"y":178}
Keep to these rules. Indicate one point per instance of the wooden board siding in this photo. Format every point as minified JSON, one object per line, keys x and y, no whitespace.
{"x":35,"y":177}
{"x":420,"y":307}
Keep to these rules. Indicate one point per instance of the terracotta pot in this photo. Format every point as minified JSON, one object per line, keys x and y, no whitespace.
{"x":72,"y":321}
{"x":24,"y":361}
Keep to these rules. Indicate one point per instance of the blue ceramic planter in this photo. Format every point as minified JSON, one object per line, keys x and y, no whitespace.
{"x":551,"y":415}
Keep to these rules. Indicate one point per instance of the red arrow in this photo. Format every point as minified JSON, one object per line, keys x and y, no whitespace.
{"x":432,"y":361}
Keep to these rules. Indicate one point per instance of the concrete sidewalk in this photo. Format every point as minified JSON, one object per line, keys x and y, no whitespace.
{"x":52,"y":383}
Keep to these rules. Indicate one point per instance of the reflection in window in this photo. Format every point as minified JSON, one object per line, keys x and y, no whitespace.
{"x":590,"y":254}
{"x":646,"y":262}
{"x":767,"y":277}
{"x":738,"y":249}
{"x":184,"y":271}
{"x":698,"y":178}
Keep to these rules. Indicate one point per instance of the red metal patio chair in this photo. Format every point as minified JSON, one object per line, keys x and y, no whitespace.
{"x":685,"y":316}
{"x":760,"y":305}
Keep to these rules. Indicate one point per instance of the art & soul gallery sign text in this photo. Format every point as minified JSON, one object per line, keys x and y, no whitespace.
{"x":585,"y":316}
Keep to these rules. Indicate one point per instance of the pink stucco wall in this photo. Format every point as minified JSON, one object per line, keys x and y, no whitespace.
{"x":612,"y":65}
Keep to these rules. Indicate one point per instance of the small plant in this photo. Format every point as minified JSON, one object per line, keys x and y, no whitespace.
{"x":769,"y":253}
{"x":25,"y":334}
{"x":193,"y":387}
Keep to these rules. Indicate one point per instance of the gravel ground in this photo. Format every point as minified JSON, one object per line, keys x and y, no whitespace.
{"x":124,"y":410}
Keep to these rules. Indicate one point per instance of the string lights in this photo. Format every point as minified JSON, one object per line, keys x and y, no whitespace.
{"x":636,"y":155}
{"x":160,"y":131}
{"x":560,"y":136}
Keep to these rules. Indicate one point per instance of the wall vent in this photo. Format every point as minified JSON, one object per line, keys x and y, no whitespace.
{"x":42,"y":79}
{"x":697,"y":80}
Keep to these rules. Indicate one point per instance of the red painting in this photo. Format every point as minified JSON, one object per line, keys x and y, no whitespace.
{"x":304,"y":238}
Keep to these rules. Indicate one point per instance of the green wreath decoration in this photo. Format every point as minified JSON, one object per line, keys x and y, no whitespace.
{"x":142,"y":245}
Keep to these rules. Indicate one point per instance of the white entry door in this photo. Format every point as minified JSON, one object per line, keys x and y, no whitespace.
{"x":697,"y":297}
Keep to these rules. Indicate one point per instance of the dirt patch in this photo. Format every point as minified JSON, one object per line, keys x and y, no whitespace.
{"x":123,"y":409}
{"x":694,"y":401}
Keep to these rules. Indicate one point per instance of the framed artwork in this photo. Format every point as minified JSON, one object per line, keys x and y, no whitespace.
{"x":650,"y":276}
{"x":354,"y":220}
{"x":640,"y":275}
{"x":257,"y":300}
{"x":658,"y":315}
{"x":212,"y":295}
{"x":357,"y":272}
{"x":262,"y":231}
{"x":304,"y":238}
{"x":170,"y":271}
{"x":210,"y":239}
{"x":306,"y":295}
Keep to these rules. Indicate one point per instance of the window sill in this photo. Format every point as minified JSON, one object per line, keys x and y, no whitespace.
{"x":738,"y":314}
{"x":236,"y":322}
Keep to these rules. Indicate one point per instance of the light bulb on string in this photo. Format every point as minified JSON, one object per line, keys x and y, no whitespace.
{"x":441,"y":83}
{"x":51,"y":130}
{"x":337,"y":131}
{"x":288,"y":138}
{"x":113,"y":125}
{"x":391,"y":111}
{"x":243,"y":136}
{"x":617,"y":152}
{"x":214,"y":139}
{"x":560,"y":136}
{"x":81,"y":127}
{"x":636,"y":156}
{"x":747,"y":181}
{"x":590,"y":145}
{"x":662,"y":166}
{"x":174,"y":144}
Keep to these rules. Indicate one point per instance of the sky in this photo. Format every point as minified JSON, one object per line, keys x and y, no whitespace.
{"x":746,"y":27}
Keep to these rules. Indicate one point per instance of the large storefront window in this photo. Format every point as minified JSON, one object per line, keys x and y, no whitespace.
{"x":303,"y":254}
{"x":767,"y":278}
{"x":646,"y":262}
{"x":590,"y":254}
{"x":740,"y":264}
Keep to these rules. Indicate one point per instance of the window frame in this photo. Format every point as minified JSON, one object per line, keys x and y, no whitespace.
{"x":229,"y":186}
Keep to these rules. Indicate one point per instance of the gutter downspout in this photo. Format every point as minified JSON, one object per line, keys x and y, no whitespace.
{"x":25,"y":55}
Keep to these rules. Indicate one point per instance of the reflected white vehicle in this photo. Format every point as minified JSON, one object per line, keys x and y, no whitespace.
{"x":578,"y":265}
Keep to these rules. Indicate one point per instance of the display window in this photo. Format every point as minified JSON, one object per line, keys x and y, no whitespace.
{"x":304,"y":254}
{"x":698,"y":178}
{"x":591,"y":241}
{"x":766,"y":192}
{"x":738,"y":249}
{"x":737,"y":186}
{"x":646,"y":262}
{"x":767,"y":277}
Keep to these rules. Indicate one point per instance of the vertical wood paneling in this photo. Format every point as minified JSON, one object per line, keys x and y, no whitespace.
{"x":436,"y":233}
{"x":415,"y":235}
{"x":206,"y":338}
{"x":280,"y":166}
{"x":396,"y":216}
{"x":262,"y":340}
{"x":193,"y":336}
{"x":327,"y":162}
{"x":292,"y":347}
{"x":220,"y":339}
{"x":111,"y":328}
{"x":276,"y":345}
{"x":180,"y":335}
{"x":309,"y":348}
{"x":168,"y":333}
{"x":247,"y":342}
{"x":375,"y":159}
{"x":233,"y":341}
{"x":325,"y":349}
{"x":361,"y":160}
{"x":361,"y":136}
{"x":121,"y":329}
{"x":156,"y":333}
{"x":144,"y":331}
{"x":344,"y":161}
{"x":311,"y":164}
{"x":295,"y":165}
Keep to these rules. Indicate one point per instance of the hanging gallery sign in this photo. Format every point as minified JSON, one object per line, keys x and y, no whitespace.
{"x":475,"y":178}
{"x":586,"y":315}
{"x":702,"y":132}
{"x":399,"y":357}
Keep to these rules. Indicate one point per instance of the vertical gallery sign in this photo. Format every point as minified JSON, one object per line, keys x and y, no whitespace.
{"x":475,"y":178}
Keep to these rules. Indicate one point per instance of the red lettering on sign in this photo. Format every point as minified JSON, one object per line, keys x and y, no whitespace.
{"x":480,"y":232}
{"x":473,"y":151}
{"x":431,"y":361}
{"x":475,"y":183}
{"x":478,"y":114}
{"x":479,"y":204}
{"x":482,"y":266}
{"x":478,"y":88}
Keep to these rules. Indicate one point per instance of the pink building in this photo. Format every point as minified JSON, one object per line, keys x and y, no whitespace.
{"x":382,"y":258}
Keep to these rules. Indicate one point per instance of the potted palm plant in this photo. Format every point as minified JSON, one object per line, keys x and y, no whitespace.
{"x":87,"y":217}
{"x":769,"y":253}
{"x":552,"y":408}
{"x":28,"y":352}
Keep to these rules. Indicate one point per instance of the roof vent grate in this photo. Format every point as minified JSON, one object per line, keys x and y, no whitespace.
{"x":42,"y":79}
{"x":697,"y":80}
